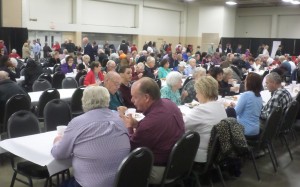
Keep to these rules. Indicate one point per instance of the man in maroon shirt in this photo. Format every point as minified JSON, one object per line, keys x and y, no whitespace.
{"x":126,"y":75}
{"x":160,"y":129}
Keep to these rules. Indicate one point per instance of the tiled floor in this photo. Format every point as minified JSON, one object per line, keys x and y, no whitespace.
{"x":288,"y":174}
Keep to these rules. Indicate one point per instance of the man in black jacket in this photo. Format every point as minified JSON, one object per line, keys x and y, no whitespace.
{"x":88,"y":49}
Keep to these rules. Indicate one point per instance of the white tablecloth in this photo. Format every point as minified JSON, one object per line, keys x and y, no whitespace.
{"x":20,"y":80}
{"x":37,"y":149}
{"x":65,"y":94}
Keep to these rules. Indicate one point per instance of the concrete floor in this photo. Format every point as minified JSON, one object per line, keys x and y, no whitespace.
{"x":288,"y":174}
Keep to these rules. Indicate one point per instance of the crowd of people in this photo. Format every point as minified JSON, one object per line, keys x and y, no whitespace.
{"x":99,"y":139}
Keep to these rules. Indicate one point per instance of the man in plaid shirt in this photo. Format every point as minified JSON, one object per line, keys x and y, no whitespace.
{"x":279,"y":96}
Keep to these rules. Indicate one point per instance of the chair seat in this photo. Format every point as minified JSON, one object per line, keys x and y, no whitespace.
{"x":33,"y":169}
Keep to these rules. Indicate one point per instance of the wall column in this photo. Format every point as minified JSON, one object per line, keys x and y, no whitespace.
{"x":274,"y":26}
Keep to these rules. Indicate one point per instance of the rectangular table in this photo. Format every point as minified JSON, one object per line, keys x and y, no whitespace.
{"x":65,"y":94}
{"x":37,"y":149}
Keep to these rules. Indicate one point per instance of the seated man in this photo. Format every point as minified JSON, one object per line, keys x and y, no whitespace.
{"x":8,"y":88}
{"x":160,"y":129}
{"x":126,"y":75}
{"x":96,"y":141}
{"x":112,"y":82}
{"x":280,"y":96}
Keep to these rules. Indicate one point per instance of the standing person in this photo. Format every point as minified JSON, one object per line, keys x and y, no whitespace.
{"x":279,"y":51}
{"x":26,"y":50}
{"x":88,"y":49}
{"x":219,"y":49}
{"x":56,"y":47}
{"x":150,"y":132}
{"x":36,"y":50}
{"x":124,"y":47}
{"x":47,"y":50}
{"x":239,"y":49}
{"x":95,"y":49}
{"x":266,"y":51}
{"x":71,"y":47}
{"x":96,"y":141}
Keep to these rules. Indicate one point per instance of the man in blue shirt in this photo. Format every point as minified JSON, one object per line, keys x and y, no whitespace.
{"x":36,"y":50}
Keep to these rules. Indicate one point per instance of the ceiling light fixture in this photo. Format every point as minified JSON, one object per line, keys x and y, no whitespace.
{"x":287,"y":1}
{"x":295,"y":2}
{"x":231,"y":3}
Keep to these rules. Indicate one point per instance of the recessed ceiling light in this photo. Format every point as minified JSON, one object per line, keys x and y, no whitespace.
{"x":295,"y":2}
{"x":231,"y":3}
{"x":286,"y":1}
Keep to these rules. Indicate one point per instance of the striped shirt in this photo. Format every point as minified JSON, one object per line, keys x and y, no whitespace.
{"x":97,"y":142}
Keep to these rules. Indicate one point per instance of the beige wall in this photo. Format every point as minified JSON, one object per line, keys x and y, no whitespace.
{"x":159,"y":40}
{"x":12,"y":13}
{"x":68,"y":35}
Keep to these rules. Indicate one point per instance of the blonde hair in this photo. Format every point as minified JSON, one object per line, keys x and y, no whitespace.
{"x":227,"y":71}
{"x":86,"y":57}
{"x":208,"y":87}
{"x":95,"y":97}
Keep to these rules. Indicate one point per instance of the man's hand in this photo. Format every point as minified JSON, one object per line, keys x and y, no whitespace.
{"x":129,"y":121}
{"x":57,"y":139}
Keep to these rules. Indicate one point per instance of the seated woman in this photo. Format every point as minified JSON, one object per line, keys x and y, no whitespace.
{"x":68,"y":66}
{"x":171,"y":90}
{"x":249,"y":105}
{"x":190,"y":86}
{"x":54,"y":59}
{"x":227,"y":84}
{"x":94,"y":76}
{"x":96,"y":141}
{"x":204,"y":116}
{"x":163,"y":70}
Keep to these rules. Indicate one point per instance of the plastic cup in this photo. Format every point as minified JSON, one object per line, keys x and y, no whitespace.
{"x":234,"y":82}
{"x":74,"y":70}
{"x":61,"y":129}
{"x":294,"y":82}
{"x":237,"y":86}
{"x":131,"y":111}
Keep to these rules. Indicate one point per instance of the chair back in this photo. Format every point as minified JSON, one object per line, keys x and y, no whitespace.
{"x":47,"y":70}
{"x":41,"y":85}
{"x":58,"y":77}
{"x":22,"y":123}
{"x":78,"y":75}
{"x":46,"y":96}
{"x":134,"y":171}
{"x":69,"y":82}
{"x":22,"y":72}
{"x":56,"y":68}
{"x":15,"y":103}
{"x":76,"y":103}
{"x":188,"y":79}
{"x":289,"y":117}
{"x":46,"y":76}
{"x":158,"y":81}
{"x":272,"y":125}
{"x":81,"y":80}
{"x":56,"y":112}
{"x":182,"y":157}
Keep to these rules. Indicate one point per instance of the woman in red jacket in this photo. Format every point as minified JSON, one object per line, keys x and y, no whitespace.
{"x":94,"y":76}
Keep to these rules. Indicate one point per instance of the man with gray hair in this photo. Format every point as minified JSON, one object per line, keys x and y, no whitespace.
{"x":279,"y":96}
{"x":149,"y":68}
{"x":96,"y":141}
{"x":191,"y":67}
{"x":112,"y":82}
{"x":8,"y":88}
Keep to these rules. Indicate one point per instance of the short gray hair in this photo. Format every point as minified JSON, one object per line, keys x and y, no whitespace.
{"x":150,"y":59}
{"x":199,"y":71}
{"x":227,"y":71}
{"x":275,"y":77}
{"x":86,"y":57}
{"x":140,"y":65}
{"x":14,"y":61}
{"x":3,"y":75}
{"x":95,"y":97}
{"x":173,"y":78}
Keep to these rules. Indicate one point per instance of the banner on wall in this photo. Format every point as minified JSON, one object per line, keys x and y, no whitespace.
{"x":275,"y":47}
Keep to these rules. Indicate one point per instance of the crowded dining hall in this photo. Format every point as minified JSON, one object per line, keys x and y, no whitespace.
{"x":175,"y":93}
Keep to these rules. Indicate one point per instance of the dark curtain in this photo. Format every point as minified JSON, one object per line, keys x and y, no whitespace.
{"x":290,"y":46}
{"x":14,"y":38}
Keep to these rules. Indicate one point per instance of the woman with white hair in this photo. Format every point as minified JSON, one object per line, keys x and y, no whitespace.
{"x":171,"y":90}
{"x":96,"y":141}
{"x":208,"y":113}
{"x":14,"y":54}
{"x":190,"y":86}
{"x":227,"y":84}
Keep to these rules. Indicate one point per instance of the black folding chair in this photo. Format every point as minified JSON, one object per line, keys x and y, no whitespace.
{"x":69,"y":82}
{"x":134,"y":171}
{"x":58,"y":77}
{"x":41,"y":85}
{"x":46,"y":76}
{"x":158,"y":81}
{"x":81,"y":80}
{"x":287,"y":124}
{"x":46,"y":96}
{"x":23,"y":123}
{"x":268,"y":134}
{"x":56,"y":112}
{"x":14,"y":104}
{"x":181,"y":159}
{"x":76,"y":103}
{"x":78,"y":75}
